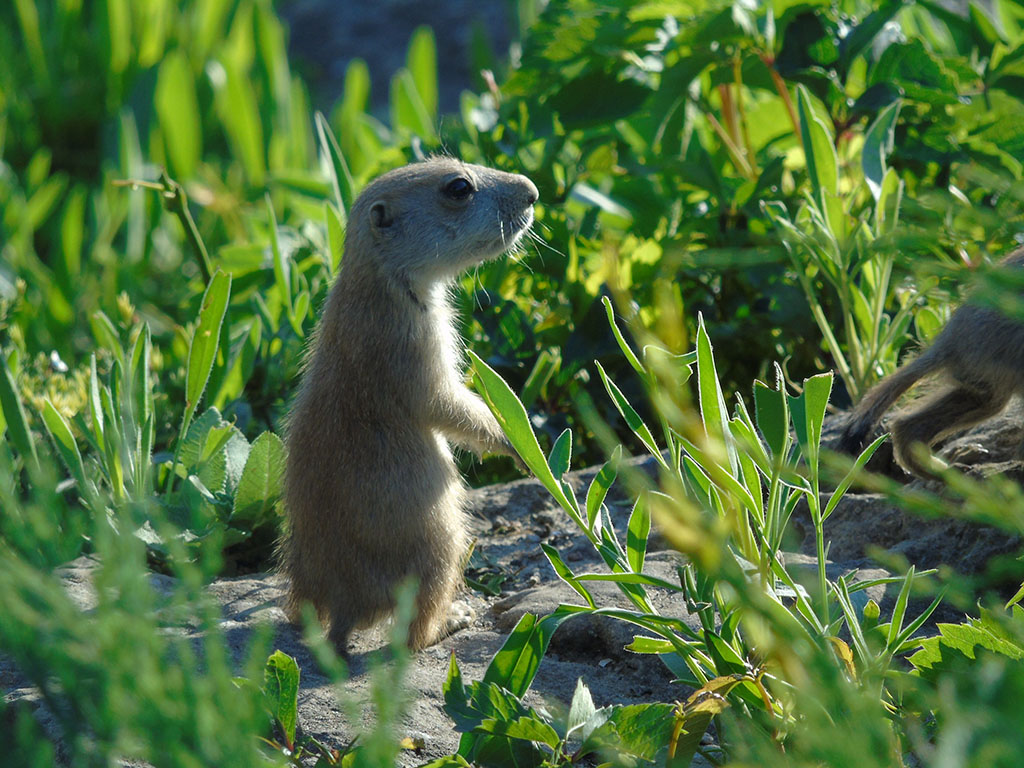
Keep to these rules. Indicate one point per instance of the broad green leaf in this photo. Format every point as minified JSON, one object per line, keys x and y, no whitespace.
{"x":281,"y":684}
{"x":14,"y":414}
{"x":696,"y":715}
{"x":772,"y":414}
{"x":581,"y":709}
{"x":177,"y":109}
{"x":878,"y":144}
{"x":407,"y":109}
{"x":239,"y":113}
{"x":241,"y":363}
{"x":642,"y":644}
{"x":964,"y":643}
{"x":820,"y":152}
{"x":561,"y":455}
{"x":637,"y":532}
{"x":422,"y":63}
{"x":64,"y":439}
{"x":637,"y":731}
{"x":817,"y":390}
{"x":727,"y":660}
{"x":808,"y":409}
{"x":456,"y":699}
{"x":528,"y":728}
{"x":515,"y":423}
{"x":515,"y":664}
{"x":712,"y":402}
{"x":260,"y":486}
{"x":600,"y":485}
{"x":203,"y":348}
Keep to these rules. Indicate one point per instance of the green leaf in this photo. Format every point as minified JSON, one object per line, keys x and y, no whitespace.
{"x":600,"y":485}
{"x":712,"y":402}
{"x":642,"y":644}
{"x":282,"y":264}
{"x":407,"y":109}
{"x":636,"y":533}
{"x":106,"y":335}
{"x":581,"y":709}
{"x":14,"y":414}
{"x":281,"y":685}
{"x":633,"y":420}
{"x":822,"y":161}
{"x":177,"y":109}
{"x":528,"y":728}
{"x":564,"y":572}
{"x":850,"y":476}
{"x":561,"y":455}
{"x":456,"y":699}
{"x":638,"y":731}
{"x":260,"y":485}
{"x":961,"y":643}
{"x":772,"y":414}
{"x":627,"y":350}
{"x":203,"y":349}
{"x":516,"y":662}
{"x":64,"y":439}
{"x":72,"y":232}
{"x":422,"y":63}
{"x":341,"y":178}
{"x":697,"y":712}
{"x":335,"y":235}
{"x":239,"y":113}
{"x":878,"y":145}
{"x":515,"y":423}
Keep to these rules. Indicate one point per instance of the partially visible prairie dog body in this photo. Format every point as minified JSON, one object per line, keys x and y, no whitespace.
{"x":372,"y":493}
{"x":980,"y":350}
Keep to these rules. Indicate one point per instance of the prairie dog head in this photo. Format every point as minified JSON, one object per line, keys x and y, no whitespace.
{"x":434,"y":219}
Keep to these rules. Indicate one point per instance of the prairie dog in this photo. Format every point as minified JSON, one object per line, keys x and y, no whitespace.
{"x":372,"y":493}
{"x":980,"y":350}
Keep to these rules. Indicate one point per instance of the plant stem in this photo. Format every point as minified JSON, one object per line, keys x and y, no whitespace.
{"x":735,"y":152}
{"x":177,"y":203}
{"x":780,"y":86}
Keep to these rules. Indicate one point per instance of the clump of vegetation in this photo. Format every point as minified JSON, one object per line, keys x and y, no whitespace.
{"x":804,"y":184}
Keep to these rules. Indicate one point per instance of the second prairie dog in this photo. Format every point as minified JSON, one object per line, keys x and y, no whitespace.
{"x":372,"y":493}
{"x":982,"y":353}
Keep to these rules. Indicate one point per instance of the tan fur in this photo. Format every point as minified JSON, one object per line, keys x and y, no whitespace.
{"x":981,"y":351}
{"x":372,"y":493}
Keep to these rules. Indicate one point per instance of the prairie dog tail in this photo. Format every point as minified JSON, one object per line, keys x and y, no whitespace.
{"x":880,"y":398}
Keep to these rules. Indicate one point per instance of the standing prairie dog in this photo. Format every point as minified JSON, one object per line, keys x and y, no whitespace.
{"x":372,"y":493}
{"x":980,"y":350}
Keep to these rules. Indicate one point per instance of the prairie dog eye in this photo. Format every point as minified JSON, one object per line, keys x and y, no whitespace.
{"x":458,"y":188}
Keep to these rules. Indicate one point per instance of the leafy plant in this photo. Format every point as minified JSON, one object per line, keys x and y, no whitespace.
{"x":826,"y":243}
{"x":728,"y":488}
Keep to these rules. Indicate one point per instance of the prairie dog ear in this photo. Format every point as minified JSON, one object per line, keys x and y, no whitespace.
{"x":381,"y":217}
